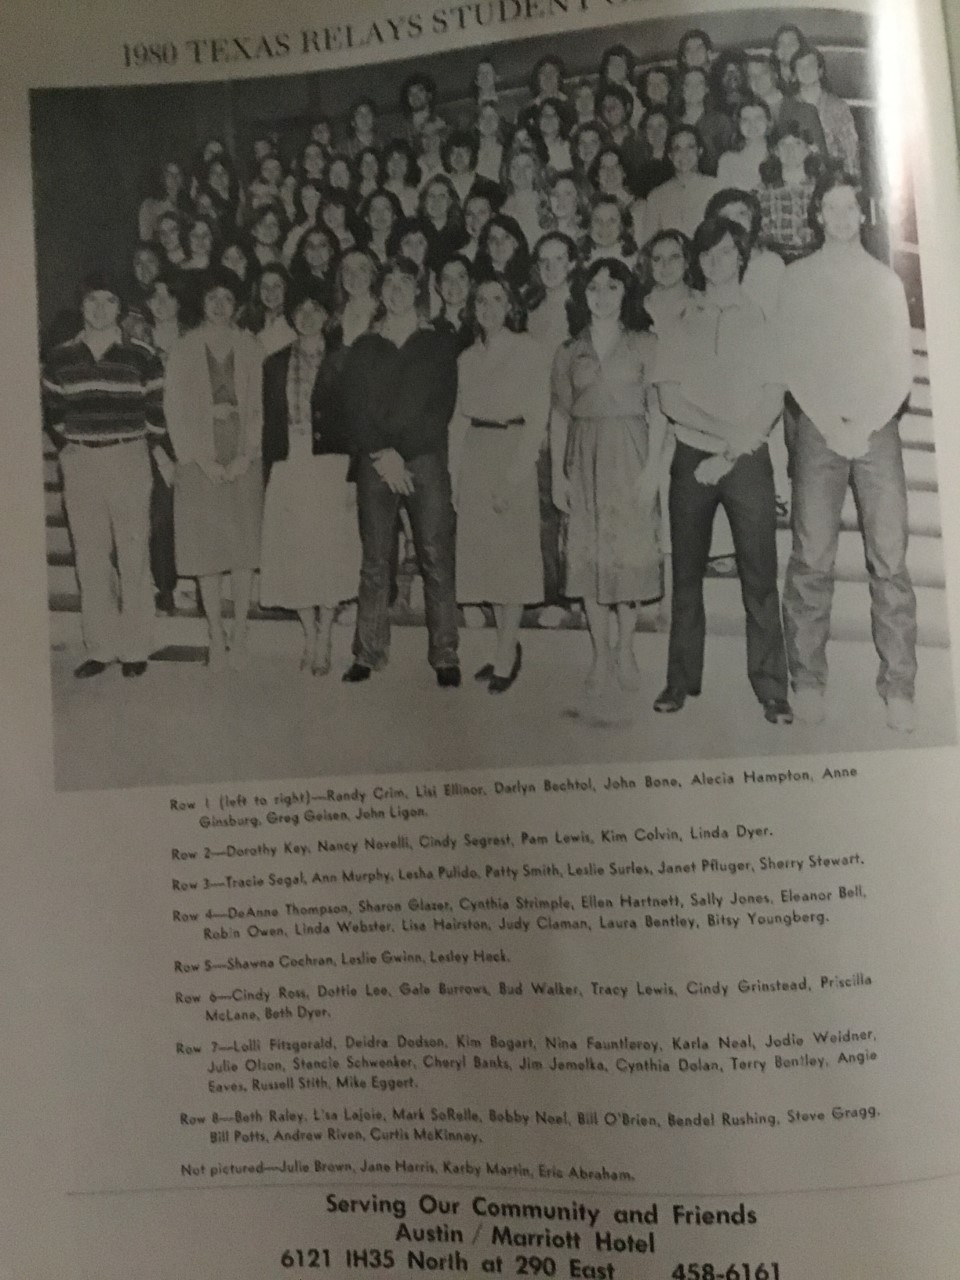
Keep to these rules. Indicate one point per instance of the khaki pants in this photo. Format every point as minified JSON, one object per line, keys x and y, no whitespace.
{"x":107,"y":496}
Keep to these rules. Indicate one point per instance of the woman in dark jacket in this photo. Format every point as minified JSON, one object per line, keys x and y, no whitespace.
{"x":310,"y":552}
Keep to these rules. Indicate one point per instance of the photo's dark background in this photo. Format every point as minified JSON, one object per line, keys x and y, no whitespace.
{"x":97,"y":151}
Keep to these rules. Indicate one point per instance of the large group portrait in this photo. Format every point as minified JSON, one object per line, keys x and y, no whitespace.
{"x":556,"y":401}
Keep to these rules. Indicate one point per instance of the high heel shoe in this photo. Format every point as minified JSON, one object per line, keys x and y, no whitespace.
{"x":500,"y":684}
{"x":485,"y":672}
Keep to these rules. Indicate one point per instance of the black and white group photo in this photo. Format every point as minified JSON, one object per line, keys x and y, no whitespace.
{"x":555,"y":401}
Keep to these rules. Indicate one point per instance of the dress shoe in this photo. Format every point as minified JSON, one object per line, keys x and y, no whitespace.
{"x":670,"y":700}
{"x":500,"y":684}
{"x":92,"y":667}
{"x":485,"y":672}
{"x":777,"y":711}
{"x":357,"y":672}
{"x":448,"y":677}
{"x":131,"y":669}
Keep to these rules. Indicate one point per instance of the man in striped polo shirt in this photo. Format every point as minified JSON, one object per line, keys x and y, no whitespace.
{"x":103,"y":405}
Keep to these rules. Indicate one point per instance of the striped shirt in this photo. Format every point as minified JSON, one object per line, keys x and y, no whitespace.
{"x":116,"y":398}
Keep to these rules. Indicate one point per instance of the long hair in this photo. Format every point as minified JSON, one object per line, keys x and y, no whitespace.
{"x":736,"y":195}
{"x":300,"y":268}
{"x":645,"y":260}
{"x":633,"y":317}
{"x":626,"y":242}
{"x":454,"y":211}
{"x":831,"y":178}
{"x":516,"y":320}
{"x":535,"y":293}
{"x":771,"y":170}
{"x":406,"y":267}
{"x":707,"y":236}
{"x":583,"y":196}
{"x":255,"y":315}
{"x":363,"y":213}
{"x":518,"y":268}
{"x":400,"y":147}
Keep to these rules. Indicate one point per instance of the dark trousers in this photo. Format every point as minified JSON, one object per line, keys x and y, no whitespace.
{"x":820,"y":482}
{"x":746,"y":494}
{"x":163,"y":566}
{"x":433,"y":523}
{"x":551,"y":523}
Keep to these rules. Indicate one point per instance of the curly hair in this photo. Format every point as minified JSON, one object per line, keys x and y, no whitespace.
{"x":633,"y":317}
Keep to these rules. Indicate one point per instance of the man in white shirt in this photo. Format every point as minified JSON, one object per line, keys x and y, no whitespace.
{"x":720,"y":382}
{"x":845,"y":333}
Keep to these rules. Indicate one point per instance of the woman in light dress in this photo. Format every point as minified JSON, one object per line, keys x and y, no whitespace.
{"x":310,"y":558}
{"x":495,"y":438}
{"x":606,"y":443}
{"x":213,"y":402}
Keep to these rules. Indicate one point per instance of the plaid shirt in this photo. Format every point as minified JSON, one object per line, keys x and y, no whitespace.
{"x":785,"y":225}
{"x":302,"y":375}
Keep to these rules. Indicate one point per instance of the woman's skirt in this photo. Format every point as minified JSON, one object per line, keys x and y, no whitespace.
{"x":217,"y":526}
{"x":612,"y":542}
{"x":498,"y":552}
{"x":311,"y":542}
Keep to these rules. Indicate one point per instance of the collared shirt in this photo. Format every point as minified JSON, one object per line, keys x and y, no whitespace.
{"x":113,"y":398}
{"x":785,"y":219}
{"x":679,"y":204}
{"x":722,"y":358}
{"x":845,"y":336}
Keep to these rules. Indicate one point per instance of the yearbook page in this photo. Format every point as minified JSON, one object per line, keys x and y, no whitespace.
{"x":480,"y":728}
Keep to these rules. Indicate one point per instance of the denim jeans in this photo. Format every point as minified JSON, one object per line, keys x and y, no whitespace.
{"x":746,"y":494}
{"x":820,"y":481}
{"x":433,"y":523}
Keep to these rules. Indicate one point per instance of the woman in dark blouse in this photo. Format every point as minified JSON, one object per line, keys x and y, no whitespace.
{"x":310,"y":553}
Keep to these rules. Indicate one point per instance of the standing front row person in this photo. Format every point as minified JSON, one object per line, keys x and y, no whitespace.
{"x":495,"y":441}
{"x":606,"y":442}
{"x":310,"y":555}
{"x":214,"y":407}
{"x":398,"y":394}
{"x":103,"y":406}
{"x":846,"y":340}
{"x":722,"y":385}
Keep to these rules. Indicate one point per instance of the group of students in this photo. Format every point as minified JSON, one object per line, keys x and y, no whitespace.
{"x":475,"y":337}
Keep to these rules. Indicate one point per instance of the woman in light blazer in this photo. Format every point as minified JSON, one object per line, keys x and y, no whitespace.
{"x":213,"y":400}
